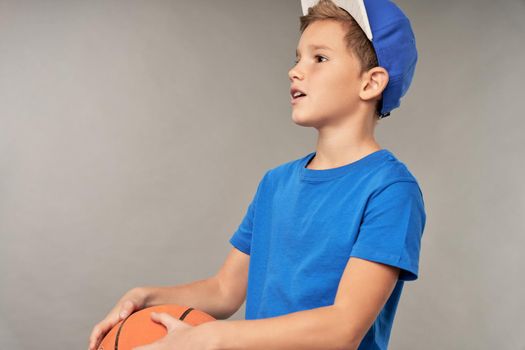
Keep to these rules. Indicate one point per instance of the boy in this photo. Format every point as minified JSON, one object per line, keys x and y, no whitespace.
{"x":329,"y":239}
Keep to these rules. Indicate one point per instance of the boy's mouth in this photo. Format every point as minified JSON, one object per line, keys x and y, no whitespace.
{"x":296,"y":94}
{"x":297,"y":98}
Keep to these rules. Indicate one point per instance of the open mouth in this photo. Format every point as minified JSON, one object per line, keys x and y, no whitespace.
{"x":298,"y":97}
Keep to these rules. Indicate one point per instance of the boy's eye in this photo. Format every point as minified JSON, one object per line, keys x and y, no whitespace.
{"x":316,"y":56}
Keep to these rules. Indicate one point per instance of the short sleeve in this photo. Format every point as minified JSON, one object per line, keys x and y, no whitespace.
{"x":392,"y":228}
{"x":242,"y":237}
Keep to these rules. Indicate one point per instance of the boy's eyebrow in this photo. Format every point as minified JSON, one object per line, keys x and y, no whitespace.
{"x":314,"y":47}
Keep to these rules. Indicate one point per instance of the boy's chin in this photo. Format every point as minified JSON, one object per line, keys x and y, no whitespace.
{"x":304,"y":120}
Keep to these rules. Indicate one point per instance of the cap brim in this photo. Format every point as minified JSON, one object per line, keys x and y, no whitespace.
{"x":356,"y":8}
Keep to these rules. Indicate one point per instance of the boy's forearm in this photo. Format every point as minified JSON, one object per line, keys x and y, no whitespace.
{"x":204,"y":295}
{"x":315,"y":329}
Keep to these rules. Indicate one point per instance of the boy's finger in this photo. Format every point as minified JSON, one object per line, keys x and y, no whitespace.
{"x":167,"y":320}
{"x":98,"y":331}
{"x":94,"y":333}
{"x":93,"y":341}
{"x":127,"y":307}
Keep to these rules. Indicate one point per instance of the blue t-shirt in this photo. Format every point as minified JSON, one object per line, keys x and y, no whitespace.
{"x":303,"y":225}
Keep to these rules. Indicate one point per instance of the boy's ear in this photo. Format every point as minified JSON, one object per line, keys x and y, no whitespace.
{"x":373,"y":82}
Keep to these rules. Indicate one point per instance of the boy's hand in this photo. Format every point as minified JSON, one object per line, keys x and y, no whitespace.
{"x":132,"y":301}
{"x":181,"y":336}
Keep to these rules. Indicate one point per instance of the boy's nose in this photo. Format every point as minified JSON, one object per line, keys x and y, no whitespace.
{"x":292,"y":73}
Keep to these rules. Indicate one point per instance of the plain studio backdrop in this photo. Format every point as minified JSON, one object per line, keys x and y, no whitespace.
{"x":133,"y":135}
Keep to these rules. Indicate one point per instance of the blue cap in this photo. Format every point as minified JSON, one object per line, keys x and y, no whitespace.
{"x":390,"y":32}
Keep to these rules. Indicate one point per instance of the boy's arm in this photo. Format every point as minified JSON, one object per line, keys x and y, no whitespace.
{"x":219,"y":296}
{"x":211,"y":295}
{"x":204,"y":295}
{"x":364,"y":288}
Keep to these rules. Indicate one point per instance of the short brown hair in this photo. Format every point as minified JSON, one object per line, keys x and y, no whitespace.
{"x":356,"y":40}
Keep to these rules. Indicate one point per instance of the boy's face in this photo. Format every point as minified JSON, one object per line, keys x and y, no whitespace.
{"x":330,"y":77}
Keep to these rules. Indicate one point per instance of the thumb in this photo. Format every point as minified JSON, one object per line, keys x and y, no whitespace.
{"x":170,"y":322}
{"x":127,"y":308}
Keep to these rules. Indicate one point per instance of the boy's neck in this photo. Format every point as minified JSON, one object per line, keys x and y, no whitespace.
{"x":340,"y":146}
{"x":330,"y":158}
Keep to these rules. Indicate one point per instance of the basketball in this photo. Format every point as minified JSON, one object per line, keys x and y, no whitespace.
{"x":139,"y":329}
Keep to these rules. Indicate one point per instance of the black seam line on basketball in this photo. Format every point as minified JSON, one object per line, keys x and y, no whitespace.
{"x":186,"y":313}
{"x":118,"y":332}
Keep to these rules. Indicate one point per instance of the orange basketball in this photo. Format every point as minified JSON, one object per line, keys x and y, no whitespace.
{"x":139,"y":329}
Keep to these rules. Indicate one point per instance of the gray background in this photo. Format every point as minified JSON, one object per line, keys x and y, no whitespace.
{"x":133,"y":135}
